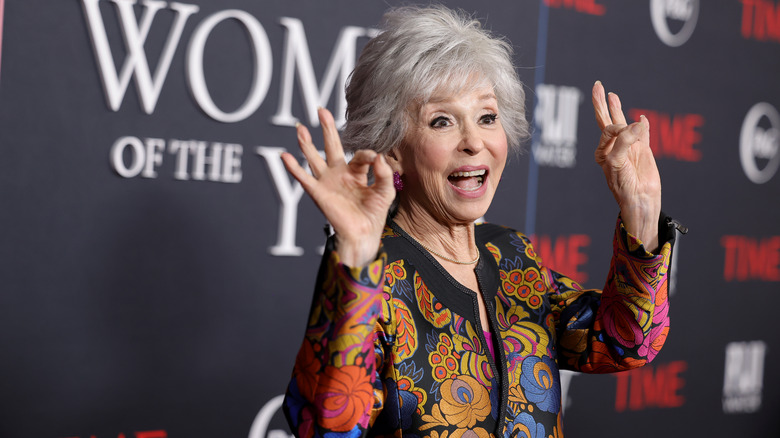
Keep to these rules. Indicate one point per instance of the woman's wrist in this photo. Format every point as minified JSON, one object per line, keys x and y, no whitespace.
{"x":357,"y":252}
{"x":643,"y":225}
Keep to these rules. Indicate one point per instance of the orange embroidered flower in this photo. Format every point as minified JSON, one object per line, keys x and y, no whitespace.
{"x":464,"y":401}
{"x":602,"y":360}
{"x":345,"y":395}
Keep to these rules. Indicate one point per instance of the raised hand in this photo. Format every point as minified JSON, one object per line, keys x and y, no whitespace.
{"x":625,"y":157}
{"x":356,"y":211}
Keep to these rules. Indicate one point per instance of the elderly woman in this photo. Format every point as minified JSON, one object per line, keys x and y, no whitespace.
{"x":424,"y":323}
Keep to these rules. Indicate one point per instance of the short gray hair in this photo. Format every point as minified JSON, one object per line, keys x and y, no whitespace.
{"x":422,"y":51}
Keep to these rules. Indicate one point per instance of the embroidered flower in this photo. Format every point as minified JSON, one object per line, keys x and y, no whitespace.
{"x":525,"y":426}
{"x":345,"y":394}
{"x":464,"y":401}
{"x":394,"y":271}
{"x":525,"y":284}
{"x":539,"y":377}
{"x":443,"y":359}
{"x":619,"y":319}
{"x":602,"y":360}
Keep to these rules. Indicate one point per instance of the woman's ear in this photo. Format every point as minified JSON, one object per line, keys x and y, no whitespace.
{"x":393,"y":158}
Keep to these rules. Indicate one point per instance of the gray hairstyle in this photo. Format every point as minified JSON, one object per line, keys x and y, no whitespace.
{"x":422,"y":51}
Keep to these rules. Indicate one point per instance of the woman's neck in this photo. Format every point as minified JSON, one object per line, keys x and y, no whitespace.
{"x":442,"y":238}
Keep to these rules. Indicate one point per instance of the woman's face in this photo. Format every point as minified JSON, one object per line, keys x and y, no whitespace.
{"x":453,"y":156}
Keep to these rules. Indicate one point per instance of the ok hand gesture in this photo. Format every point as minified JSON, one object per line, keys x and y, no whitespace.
{"x":357,"y":211}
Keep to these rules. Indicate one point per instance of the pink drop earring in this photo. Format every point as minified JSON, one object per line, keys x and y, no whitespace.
{"x":397,"y":182}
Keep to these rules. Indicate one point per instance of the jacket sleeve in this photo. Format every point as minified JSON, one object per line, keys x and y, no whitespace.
{"x":335,"y":385}
{"x":625,"y":325}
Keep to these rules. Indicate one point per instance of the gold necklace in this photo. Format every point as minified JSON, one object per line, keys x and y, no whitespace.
{"x":447,"y":258}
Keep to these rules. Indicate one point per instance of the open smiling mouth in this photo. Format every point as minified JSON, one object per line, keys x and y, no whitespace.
{"x":467,"y":181}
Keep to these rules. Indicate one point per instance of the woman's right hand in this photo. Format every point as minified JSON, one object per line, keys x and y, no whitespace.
{"x":356,"y":211}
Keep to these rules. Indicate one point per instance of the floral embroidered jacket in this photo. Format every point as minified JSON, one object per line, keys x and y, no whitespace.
{"x":396,"y":348}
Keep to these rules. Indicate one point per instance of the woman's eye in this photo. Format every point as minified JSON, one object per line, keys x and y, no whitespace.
{"x":489,"y":119}
{"x":440,"y":122}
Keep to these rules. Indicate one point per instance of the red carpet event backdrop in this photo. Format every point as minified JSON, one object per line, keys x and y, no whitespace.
{"x":157,"y":262}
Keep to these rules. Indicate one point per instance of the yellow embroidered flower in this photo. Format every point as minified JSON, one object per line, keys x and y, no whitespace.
{"x":444,"y":360}
{"x":525,"y":284}
{"x":393,"y":272}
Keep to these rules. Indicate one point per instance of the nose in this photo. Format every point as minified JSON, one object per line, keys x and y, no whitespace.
{"x":471,"y":141}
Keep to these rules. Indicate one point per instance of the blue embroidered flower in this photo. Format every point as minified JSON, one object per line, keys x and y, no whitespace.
{"x":540,"y":381}
{"x":525,"y":426}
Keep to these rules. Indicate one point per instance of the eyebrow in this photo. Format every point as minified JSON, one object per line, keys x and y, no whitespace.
{"x":486,"y":96}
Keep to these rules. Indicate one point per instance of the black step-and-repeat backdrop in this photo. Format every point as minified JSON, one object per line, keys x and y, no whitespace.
{"x":156,"y":261}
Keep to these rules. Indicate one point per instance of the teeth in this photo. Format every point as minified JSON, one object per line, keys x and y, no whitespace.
{"x":465,"y":174}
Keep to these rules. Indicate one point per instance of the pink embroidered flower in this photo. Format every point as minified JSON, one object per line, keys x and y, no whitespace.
{"x":620,"y":322}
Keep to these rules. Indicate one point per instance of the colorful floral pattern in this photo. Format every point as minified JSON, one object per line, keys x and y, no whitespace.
{"x":537,"y":378}
{"x":410,"y":394}
{"x":386,"y":352}
{"x":431,"y":308}
{"x":464,"y":402}
{"x":443,"y":360}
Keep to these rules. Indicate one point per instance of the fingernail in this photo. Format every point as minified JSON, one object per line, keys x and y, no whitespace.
{"x":636,"y":129}
{"x":597,"y":82}
{"x":297,"y":125}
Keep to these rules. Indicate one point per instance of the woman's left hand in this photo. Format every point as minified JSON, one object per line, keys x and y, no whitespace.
{"x":625,"y":157}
